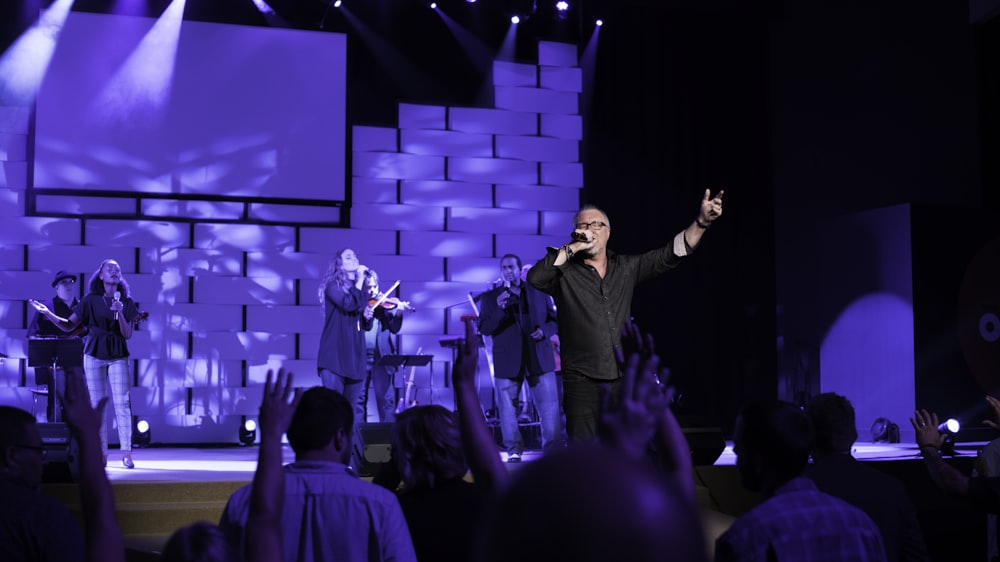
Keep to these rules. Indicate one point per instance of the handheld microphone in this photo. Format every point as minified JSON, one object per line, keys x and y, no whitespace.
{"x":118,"y":298}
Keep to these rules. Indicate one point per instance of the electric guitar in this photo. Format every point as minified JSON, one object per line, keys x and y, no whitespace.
{"x":408,"y":400}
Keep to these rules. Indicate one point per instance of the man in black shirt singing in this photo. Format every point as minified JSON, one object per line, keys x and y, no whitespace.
{"x":592,"y":287}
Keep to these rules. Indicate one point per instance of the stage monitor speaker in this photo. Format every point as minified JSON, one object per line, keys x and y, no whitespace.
{"x":706,"y":444}
{"x":372,"y":447}
{"x":62,"y":453}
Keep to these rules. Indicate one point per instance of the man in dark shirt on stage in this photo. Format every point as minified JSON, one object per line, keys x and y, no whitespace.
{"x":592,"y":287}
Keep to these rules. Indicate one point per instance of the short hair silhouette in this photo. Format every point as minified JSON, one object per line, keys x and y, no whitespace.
{"x":320,"y":413}
{"x":833,"y":420}
{"x":14,"y":424}
{"x":588,"y":504}
{"x":779,"y":432}
{"x":198,"y":542}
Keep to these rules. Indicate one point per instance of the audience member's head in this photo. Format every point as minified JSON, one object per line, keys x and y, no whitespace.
{"x":588,"y":504}
{"x":21,"y":446}
{"x":833,"y":421}
{"x":322,"y":426}
{"x":199,"y":542}
{"x":427,"y":446}
{"x":772,"y":440}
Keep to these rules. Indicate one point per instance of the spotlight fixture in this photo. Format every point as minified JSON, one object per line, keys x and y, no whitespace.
{"x":950,"y":426}
{"x":562,"y":5}
{"x":599,"y":23}
{"x":515,"y":19}
{"x":140,"y":432}
{"x":248,"y":431}
{"x":337,"y":3}
{"x":883,"y":430}
{"x":434,"y":5}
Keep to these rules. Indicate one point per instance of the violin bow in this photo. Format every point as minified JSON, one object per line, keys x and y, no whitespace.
{"x":386,"y":294}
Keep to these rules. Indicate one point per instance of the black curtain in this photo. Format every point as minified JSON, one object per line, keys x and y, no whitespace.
{"x":680,"y":105}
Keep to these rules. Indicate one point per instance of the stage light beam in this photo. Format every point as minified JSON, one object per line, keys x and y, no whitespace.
{"x":23,"y":64}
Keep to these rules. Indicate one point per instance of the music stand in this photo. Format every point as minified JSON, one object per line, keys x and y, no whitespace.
{"x":54,"y":352}
{"x":404,"y":360}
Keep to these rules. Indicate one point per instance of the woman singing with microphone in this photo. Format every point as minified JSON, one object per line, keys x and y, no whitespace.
{"x":107,"y":311}
{"x":341,"y":361}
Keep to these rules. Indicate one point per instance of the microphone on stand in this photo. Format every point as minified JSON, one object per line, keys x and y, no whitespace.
{"x":118,"y":298}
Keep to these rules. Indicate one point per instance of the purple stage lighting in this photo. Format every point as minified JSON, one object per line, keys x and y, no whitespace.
{"x":515,"y":19}
{"x":599,"y":23}
{"x":434,"y":5}
{"x":337,"y":4}
{"x":562,"y":5}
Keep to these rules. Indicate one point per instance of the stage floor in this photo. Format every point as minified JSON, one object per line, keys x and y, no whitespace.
{"x":221,"y":464}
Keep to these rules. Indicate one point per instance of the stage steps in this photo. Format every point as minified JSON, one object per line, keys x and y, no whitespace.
{"x":149,"y":512}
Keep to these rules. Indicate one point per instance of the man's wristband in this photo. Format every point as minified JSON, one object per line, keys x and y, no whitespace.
{"x":569,"y":251}
{"x":702,"y":225}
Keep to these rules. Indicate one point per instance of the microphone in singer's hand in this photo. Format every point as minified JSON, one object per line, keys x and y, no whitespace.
{"x":118,"y":298}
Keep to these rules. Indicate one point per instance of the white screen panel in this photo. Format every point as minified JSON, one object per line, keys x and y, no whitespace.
{"x":155,"y":106}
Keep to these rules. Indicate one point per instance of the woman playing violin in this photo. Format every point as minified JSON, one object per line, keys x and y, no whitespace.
{"x":383,"y":320}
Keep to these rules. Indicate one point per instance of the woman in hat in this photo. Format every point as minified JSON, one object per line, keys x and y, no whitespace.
{"x":108,"y":313}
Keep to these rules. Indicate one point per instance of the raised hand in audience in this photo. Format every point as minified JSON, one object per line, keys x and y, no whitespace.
{"x":930,"y":440}
{"x":480,"y":448}
{"x":263,"y":539}
{"x":925,"y":424}
{"x":995,"y":406}
{"x":103,"y":536}
{"x":643,"y":421}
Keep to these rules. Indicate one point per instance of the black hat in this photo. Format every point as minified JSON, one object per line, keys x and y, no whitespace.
{"x":62,"y":275}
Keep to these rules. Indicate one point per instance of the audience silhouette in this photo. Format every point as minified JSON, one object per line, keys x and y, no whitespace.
{"x":839,"y":474}
{"x":328,"y":512}
{"x":796,"y":521}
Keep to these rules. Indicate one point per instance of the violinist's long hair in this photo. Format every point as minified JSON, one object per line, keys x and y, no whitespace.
{"x":96,"y":286}
{"x":335,"y":274}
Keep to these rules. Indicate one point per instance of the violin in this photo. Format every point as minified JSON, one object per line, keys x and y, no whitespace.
{"x":391,"y":303}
